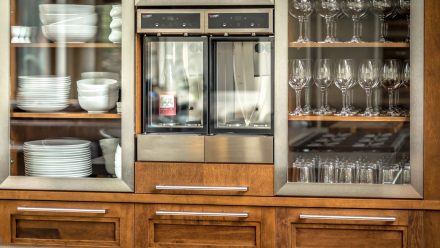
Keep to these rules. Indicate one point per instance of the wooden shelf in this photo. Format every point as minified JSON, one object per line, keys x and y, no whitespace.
{"x":349,"y":118}
{"x":66,"y":45}
{"x":350,"y":45}
{"x":65,"y":115}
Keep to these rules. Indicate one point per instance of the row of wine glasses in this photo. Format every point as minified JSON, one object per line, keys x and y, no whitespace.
{"x":349,"y":170}
{"x":331,"y":10}
{"x":392,"y":74}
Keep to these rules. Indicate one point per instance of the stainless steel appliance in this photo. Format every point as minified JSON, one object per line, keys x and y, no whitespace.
{"x":208,"y":83}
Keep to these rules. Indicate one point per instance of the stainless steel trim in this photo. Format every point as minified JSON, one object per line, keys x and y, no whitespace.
{"x":208,"y":188}
{"x":205,"y":214}
{"x":62,"y":210}
{"x":4,"y":89}
{"x":170,"y":147}
{"x":343,"y":217}
{"x":238,"y":149}
{"x":171,"y":31}
{"x":202,"y":2}
{"x":128,"y":94}
{"x":268,"y":30}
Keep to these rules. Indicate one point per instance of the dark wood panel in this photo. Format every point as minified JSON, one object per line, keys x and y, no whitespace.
{"x":431,"y":227}
{"x":258,"y":178}
{"x":432,"y":101}
{"x":415,"y":229}
{"x":339,"y":236}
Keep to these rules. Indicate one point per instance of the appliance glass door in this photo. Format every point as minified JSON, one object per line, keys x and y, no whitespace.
{"x":242,"y":82}
{"x":174,"y":86}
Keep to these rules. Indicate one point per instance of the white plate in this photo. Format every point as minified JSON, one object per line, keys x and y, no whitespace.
{"x":65,"y":143}
{"x":42,"y":108}
{"x":65,"y":8}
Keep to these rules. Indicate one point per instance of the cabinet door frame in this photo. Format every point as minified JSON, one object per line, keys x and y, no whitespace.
{"x":126,"y":183}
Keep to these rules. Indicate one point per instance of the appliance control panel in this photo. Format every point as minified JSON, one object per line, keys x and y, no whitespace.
{"x":170,"y":22}
{"x":239,"y":21}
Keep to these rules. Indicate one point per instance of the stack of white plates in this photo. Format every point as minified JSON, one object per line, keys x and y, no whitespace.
{"x":58,"y":158}
{"x":68,"y":22}
{"x":43,"y":93}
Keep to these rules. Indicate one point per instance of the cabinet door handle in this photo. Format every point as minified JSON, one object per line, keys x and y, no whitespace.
{"x":343,"y":217}
{"x":194,"y":188}
{"x":62,"y":210}
{"x":206,"y":214}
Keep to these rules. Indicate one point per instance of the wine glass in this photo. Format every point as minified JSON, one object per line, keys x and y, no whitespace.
{"x":390,"y":78}
{"x":383,"y":9}
{"x":345,"y":77}
{"x":300,"y":75}
{"x":328,"y":9}
{"x":356,"y":9}
{"x":324,"y":77}
{"x":368,"y":77}
{"x":405,"y":9}
{"x":404,"y":83}
{"x":301,"y":10}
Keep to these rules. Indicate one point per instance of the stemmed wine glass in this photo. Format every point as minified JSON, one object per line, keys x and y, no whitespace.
{"x":356,"y":9}
{"x":345,"y":76}
{"x":368,"y":77}
{"x":328,"y":9}
{"x":390,"y":78}
{"x":301,"y":10}
{"x":324,"y":77}
{"x":383,"y":9}
{"x":299,"y":75}
{"x":404,"y":83}
{"x":405,"y":9}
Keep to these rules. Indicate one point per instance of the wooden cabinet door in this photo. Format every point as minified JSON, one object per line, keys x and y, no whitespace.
{"x":338,"y":228}
{"x":208,"y":179}
{"x":67,"y":224}
{"x":161,"y":225}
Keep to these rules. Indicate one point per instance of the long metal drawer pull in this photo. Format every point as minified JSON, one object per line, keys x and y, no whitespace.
{"x":207,"y":214}
{"x":338,"y":217}
{"x":62,"y":210}
{"x":212,"y":188}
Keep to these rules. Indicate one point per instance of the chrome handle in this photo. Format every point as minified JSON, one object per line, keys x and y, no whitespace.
{"x":62,"y":210}
{"x":211,"y":188}
{"x":338,"y":217}
{"x":206,"y":214}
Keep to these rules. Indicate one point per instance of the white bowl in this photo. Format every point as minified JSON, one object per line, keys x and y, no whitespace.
{"x":66,"y":8}
{"x":69,"y":19}
{"x":98,"y":74}
{"x":97,"y":104}
{"x":96,"y":84}
{"x":106,"y":92}
{"x":69,"y":33}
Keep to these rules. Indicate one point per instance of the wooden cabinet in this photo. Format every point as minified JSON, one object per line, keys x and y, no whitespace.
{"x":200,"y":178}
{"x":67,"y":224}
{"x":344,"y":228}
{"x":162,"y":225}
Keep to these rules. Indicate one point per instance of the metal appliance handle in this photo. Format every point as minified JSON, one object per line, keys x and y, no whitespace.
{"x":210,"y":188}
{"x":339,"y":217}
{"x":205,"y":214}
{"x":62,"y":210}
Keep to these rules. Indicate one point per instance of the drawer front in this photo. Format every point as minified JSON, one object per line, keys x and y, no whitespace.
{"x":69,"y":224}
{"x":317,"y":227}
{"x":353,"y":236}
{"x":161,"y":225}
{"x":199,"y":178}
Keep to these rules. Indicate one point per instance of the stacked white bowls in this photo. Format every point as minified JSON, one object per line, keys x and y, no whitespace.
{"x":116,"y":24}
{"x":43,"y":93}
{"x":68,"y":22}
{"x":58,"y":158}
{"x":98,"y":95}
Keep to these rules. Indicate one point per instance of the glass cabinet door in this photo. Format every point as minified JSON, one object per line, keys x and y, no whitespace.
{"x":351,"y":99}
{"x":66,"y":88}
{"x":175,"y":84}
{"x":242,"y":83}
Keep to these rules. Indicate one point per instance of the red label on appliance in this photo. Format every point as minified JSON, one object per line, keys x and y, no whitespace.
{"x":167,"y":104}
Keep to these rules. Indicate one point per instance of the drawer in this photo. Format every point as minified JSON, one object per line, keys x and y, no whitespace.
{"x":161,"y":225}
{"x":68,"y":224}
{"x":201,"y":178}
{"x":307,"y":227}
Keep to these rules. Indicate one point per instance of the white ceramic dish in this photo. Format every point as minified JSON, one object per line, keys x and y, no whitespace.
{"x":112,"y":93}
{"x":41,"y":108}
{"x":97,"y":74}
{"x":97,"y":104}
{"x":69,"y":33}
{"x":65,"y":8}
{"x":69,"y":19}
{"x":96,"y":84}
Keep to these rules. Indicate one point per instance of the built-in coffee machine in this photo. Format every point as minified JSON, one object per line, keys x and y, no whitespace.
{"x":207,"y":87}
